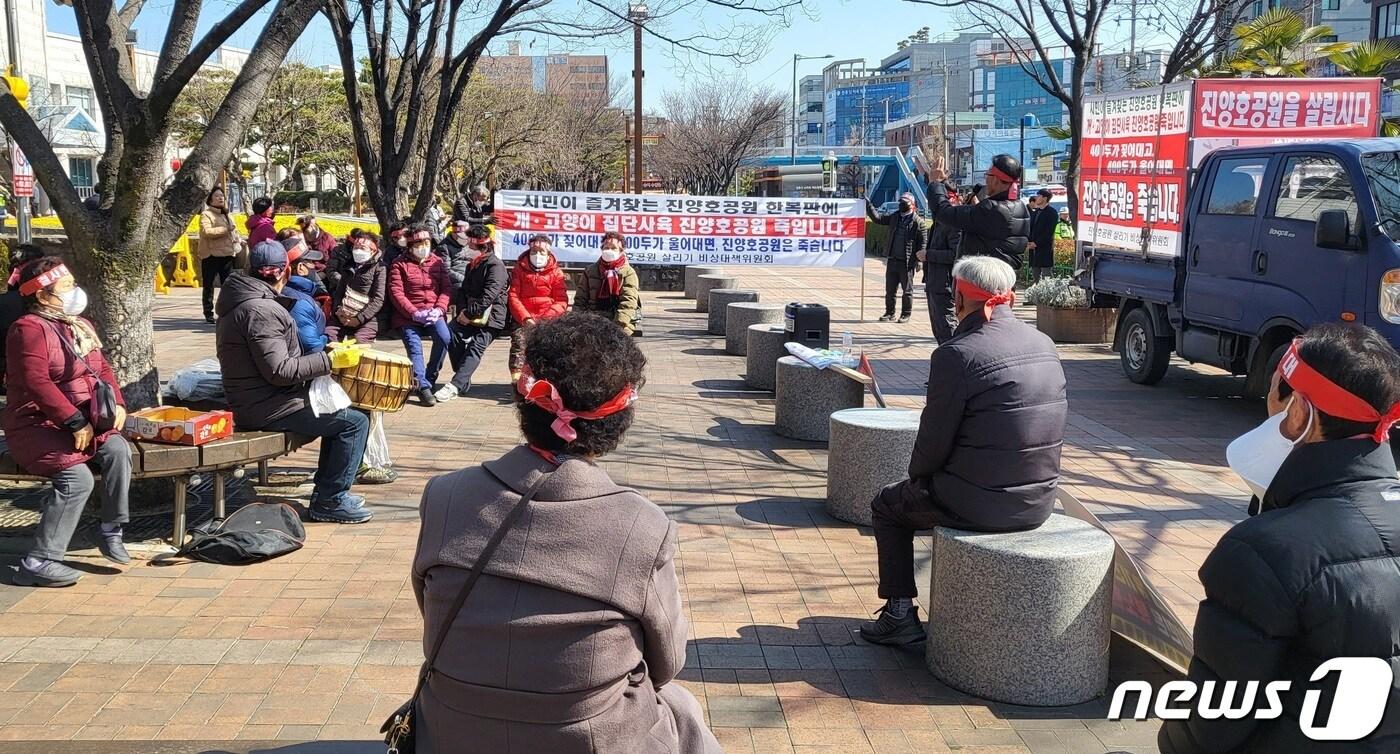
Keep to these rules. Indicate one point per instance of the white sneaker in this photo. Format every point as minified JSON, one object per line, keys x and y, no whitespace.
{"x":445,"y":393}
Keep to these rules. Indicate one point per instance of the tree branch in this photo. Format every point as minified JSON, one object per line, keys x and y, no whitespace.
{"x":165,"y":90}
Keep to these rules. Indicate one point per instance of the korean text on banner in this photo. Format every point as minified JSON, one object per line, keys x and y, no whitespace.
{"x":1132,"y":176}
{"x":670,"y":229}
{"x":1253,"y":112}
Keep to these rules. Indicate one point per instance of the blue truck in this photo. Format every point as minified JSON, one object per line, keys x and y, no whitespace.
{"x":1273,"y":239}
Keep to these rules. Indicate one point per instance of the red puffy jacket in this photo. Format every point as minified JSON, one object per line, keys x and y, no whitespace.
{"x":415,"y":286}
{"x":537,"y":294}
{"x":49,"y":396}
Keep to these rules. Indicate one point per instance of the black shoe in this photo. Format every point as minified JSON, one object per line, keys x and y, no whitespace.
{"x":111,"y":546}
{"x":893,"y":631}
{"x":425,"y":396}
{"x":905,"y":318}
{"x":209,"y":318}
{"x":887,"y":318}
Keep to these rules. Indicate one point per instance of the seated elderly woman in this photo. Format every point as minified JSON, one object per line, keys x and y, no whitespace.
{"x":55,"y":424}
{"x":572,"y":636}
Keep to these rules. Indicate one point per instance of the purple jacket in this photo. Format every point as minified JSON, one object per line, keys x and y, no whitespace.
{"x":260,"y":229}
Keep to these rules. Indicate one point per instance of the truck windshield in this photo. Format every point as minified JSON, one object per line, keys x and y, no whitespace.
{"x":1383,"y":173}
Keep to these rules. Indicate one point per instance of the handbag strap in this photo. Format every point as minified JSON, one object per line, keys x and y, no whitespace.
{"x":72,"y":349}
{"x":477,"y":568}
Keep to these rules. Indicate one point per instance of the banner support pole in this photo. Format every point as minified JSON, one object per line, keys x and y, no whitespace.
{"x":862,"y":285}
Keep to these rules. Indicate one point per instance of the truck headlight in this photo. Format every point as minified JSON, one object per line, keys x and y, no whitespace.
{"x":1389,"y":304}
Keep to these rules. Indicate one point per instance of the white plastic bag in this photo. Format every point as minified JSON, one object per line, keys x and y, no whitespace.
{"x":200,"y":381}
{"x":377,"y":447}
{"x":327,"y":396}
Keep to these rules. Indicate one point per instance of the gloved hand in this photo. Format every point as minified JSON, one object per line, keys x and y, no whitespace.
{"x":434,"y":315}
{"x":345,"y":355}
{"x":421,"y":316}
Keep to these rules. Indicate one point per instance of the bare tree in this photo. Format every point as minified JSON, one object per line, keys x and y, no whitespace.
{"x":440,"y":43}
{"x":712,"y":129}
{"x":117,"y":246}
{"x":1202,"y":30}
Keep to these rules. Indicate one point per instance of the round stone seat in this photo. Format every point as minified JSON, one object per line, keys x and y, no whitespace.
{"x":869,"y":448}
{"x":693,"y":272}
{"x":720,"y":299}
{"x":765,"y":347}
{"x":1022,"y":617}
{"x":739,"y":317}
{"x":807,"y":397}
{"x":706,"y":283}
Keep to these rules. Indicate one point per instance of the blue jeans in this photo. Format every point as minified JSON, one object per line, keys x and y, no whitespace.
{"x":413,"y":343}
{"x":343,"y":435}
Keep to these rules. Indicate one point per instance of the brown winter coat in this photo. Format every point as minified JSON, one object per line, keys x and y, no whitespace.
{"x":570,"y":641}
{"x":218,"y":236}
{"x":621,"y":308}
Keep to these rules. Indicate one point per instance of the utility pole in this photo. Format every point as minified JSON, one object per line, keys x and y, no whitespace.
{"x":637,"y":13}
{"x":943,"y":124}
{"x":1132,"y":42}
{"x":21,"y":202}
{"x":792,"y":160}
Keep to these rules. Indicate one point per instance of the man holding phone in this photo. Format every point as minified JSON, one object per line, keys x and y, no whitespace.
{"x":997,"y":225}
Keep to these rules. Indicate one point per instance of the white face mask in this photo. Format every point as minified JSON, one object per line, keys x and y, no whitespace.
{"x":74,"y":300}
{"x":361,"y":255}
{"x":1257,"y":455}
{"x":538,"y":261}
{"x":420,"y":252}
{"x":611,"y":255}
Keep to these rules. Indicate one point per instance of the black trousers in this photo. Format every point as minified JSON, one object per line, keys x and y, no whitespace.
{"x":210,"y":269}
{"x":938,"y":287}
{"x":898,"y":511}
{"x":898,"y":274}
{"x":469,"y":344}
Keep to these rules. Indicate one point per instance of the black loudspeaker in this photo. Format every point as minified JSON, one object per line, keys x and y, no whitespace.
{"x":808,"y":324}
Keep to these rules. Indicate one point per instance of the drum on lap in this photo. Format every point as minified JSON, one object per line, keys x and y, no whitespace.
{"x":380,"y":382}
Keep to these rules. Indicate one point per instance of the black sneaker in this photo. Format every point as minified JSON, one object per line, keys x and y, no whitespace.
{"x":905,"y":318}
{"x":887,"y":318}
{"x":209,"y":319}
{"x":426,"y":397}
{"x":893,"y":631}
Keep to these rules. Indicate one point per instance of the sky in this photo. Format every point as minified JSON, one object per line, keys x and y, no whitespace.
{"x":868,"y":29}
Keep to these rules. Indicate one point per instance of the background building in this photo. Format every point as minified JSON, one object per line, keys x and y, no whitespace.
{"x":581,"y":78}
{"x":860,"y":101}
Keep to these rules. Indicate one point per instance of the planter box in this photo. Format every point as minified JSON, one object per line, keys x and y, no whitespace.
{"x":1077,"y":325}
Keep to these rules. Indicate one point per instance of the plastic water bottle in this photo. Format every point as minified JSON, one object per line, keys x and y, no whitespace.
{"x":848,"y":357}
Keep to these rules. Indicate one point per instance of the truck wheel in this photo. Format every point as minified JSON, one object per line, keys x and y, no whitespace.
{"x":1256,"y":383}
{"x":1145,"y":355}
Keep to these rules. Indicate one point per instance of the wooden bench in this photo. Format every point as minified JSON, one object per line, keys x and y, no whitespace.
{"x":179,"y":463}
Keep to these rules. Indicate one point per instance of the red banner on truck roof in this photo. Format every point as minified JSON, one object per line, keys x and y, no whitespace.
{"x":1283,"y":108}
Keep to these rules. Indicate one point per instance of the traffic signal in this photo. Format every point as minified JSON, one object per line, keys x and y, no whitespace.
{"x":19,"y":88}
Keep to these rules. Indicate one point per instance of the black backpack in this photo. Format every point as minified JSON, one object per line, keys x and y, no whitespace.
{"x":253,"y":533}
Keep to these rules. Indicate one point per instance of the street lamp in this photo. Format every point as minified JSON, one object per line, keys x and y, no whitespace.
{"x":637,"y":13}
{"x":796,"y":58}
{"x":1033,"y":122}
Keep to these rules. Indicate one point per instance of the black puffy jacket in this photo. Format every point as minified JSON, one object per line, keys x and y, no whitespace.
{"x":906,"y":234}
{"x":994,"y":227}
{"x":990,"y":435}
{"x":1315,"y":575}
{"x":486,"y":284}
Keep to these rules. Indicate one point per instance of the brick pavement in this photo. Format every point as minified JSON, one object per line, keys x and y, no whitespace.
{"x":323,"y":643}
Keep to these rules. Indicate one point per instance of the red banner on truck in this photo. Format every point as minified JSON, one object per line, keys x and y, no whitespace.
{"x":1138,"y":146}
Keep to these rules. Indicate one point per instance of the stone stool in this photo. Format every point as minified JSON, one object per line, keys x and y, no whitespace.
{"x":766,"y":346}
{"x":692,"y":272}
{"x":739,"y":317}
{"x":706,"y":283}
{"x":1022,"y":617}
{"x":870,"y":448}
{"x":807,"y":397}
{"x":720,"y":299}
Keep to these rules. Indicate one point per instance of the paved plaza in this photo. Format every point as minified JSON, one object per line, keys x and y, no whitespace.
{"x":324,"y":643}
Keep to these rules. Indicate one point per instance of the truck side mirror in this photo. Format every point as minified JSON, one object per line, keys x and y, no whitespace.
{"x":1333,"y":230}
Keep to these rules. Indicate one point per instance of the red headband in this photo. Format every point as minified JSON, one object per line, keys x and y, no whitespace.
{"x":44,"y":280}
{"x":397,"y":233}
{"x":997,"y":173}
{"x":542,"y":393}
{"x":421,"y":235}
{"x":990,"y":300}
{"x":367,"y":242}
{"x":1332,"y":399}
{"x":14,"y":274}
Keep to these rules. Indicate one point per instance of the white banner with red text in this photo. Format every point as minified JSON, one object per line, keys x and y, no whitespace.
{"x":673,"y":229}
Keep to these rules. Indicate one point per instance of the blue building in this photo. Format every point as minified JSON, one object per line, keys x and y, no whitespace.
{"x":1010,"y":92}
{"x":860,"y":101}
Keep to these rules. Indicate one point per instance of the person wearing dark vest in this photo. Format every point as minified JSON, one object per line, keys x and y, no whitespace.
{"x":610,"y":286}
{"x":987,"y":454}
{"x":482,"y":312}
{"x":1313,"y":575}
{"x":938,"y":259}
{"x":997,"y":226}
{"x":570,"y":639}
{"x":906,"y":241}
{"x":1041,"y":246}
